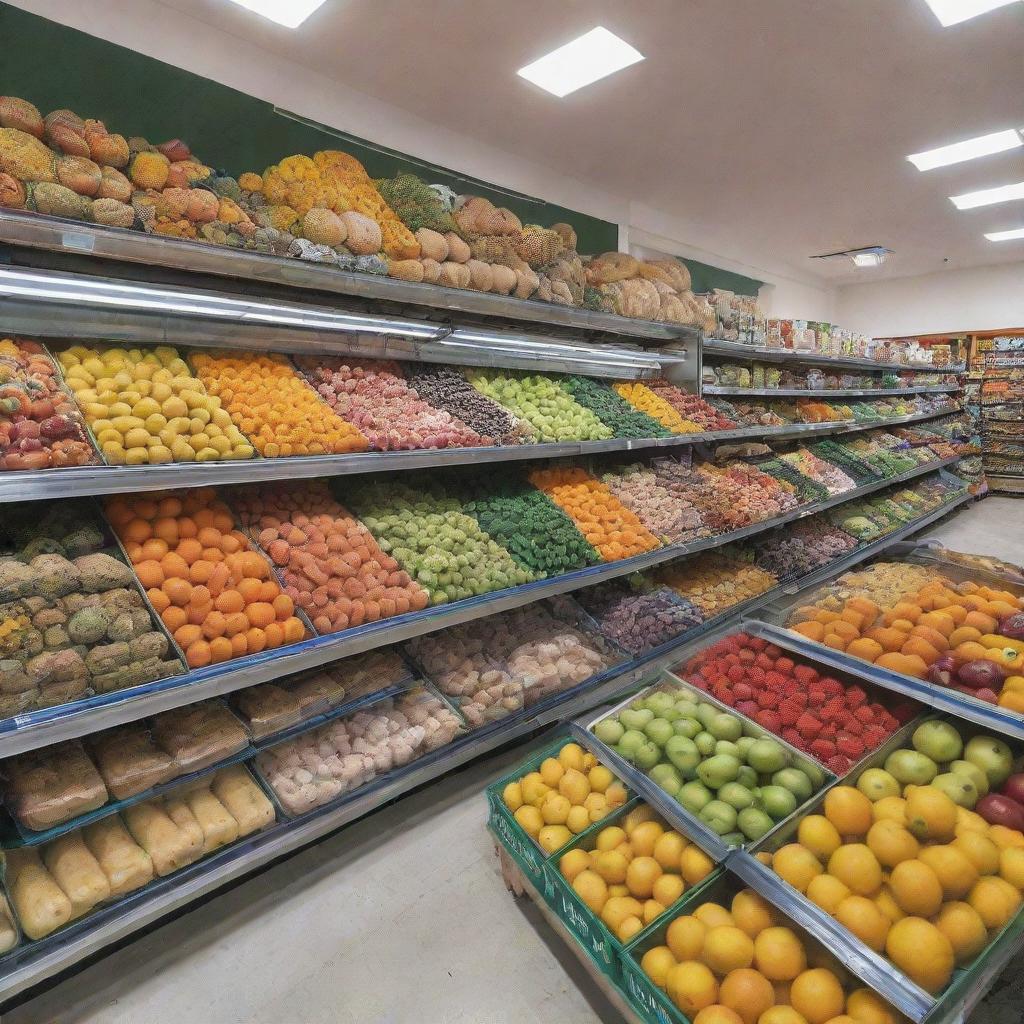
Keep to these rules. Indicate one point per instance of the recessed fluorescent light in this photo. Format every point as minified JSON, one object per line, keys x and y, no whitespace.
{"x":988,"y":196}
{"x":1005,"y":236}
{"x":867,"y":259}
{"x":290,"y":13}
{"x":969,"y":149}
{"x":594,"y":55}
{"x":952,"y":12}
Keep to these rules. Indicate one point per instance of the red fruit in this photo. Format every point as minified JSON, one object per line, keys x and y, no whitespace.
{"x":747,"y":657}
{"x":807,"y":725}
{"x":785,"y":665}
{"x":743,"y":691}
{"x":764,"y":662}
{"x":854,"y":726}
{"x":855,"y":697}
{"x":851,"y":746}
{"x":774,"y":680}
{"x":839,"y":765}
{"x":747,"y":707}
{"x":874,"y":736}
{"x":724,"y":694}
{"x":756,"y":676}
{"x":757,"y":643}
{"x":769,"y":719}
{"x":772,"y":651}
{"x":831,"y":686}
{"x":767,"y":699}
{"x":865,"y":715}
{"x":793,"y":692}
{"x":805,"y":674}
{"x":829,"y":731}
{"x":741,"y":638}
{"x":823,"y":749}
{"x":833,"y":710}
{"x":792,"y":737}
{"x":736,"y":673}
{"x":816,"y":696}
{"x":789,"y":712}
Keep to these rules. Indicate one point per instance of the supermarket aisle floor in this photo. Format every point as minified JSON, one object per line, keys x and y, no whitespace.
{"x":400,"y":919}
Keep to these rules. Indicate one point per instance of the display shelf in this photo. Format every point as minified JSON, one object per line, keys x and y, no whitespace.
{"x":737,"y":350}
{"x":41,"y":728}
{"x":157,"y":257}
{"x":50,"y":484}
{"x":934,"y":389}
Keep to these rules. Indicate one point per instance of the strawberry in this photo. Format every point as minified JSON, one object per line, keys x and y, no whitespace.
{"x":854,"y":726}
{"x":805,"y":674}
{"x":851,"y":746}
{"x":741,"y":638}
{"x":790,"y":712}
{"x":808,"y":726}
{"x":816,"y":696}
{"x":785,"y":665}
{"x":769,"y":720}
{"x":747,"y":707}
{"x":839,"y":765}
{"x":829,"y":731}
{"x":874,"y":736}
{"x":822,"y":750}
{"x":794,"y":693}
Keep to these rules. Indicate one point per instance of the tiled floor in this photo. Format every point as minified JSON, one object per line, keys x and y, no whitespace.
{"x":400,"y":919}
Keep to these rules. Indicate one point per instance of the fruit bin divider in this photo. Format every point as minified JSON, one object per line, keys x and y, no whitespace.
{"x":688,"y":824}
{"x":66,"y":934}
{"x":930,"y":551}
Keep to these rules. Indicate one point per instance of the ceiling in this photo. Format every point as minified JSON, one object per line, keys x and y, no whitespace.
{"x":776,"y":127}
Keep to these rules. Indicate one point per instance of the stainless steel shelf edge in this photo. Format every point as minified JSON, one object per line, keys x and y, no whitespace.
{"x":931,"y":389}
{"x":159,"y":251}
{"x":737,"y":350}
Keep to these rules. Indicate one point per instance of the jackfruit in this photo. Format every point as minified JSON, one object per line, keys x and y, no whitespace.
{"x":24,"y":157}
{"x":281,"y":218}
{"x":20,"y":114}
{"x":567,"y":233}
{"x":495,"y":249}
{"x":57,"y":201}
{"x":415,"y":203}
{"x":79,"y":173}
{"x":106,"y":149}
{"x":222,"y":185}
{"x":113,"y":213}
{"x":65,"y":130}
{"x":538,"y":246}
{"x":114,"y":185}
{"x":324,"y":227}
{"x":149,"y":170}
{"x":12,"y":193}
{"x":250,"y":182}
{"x":186,"y":173}
{"x":405,"y":270}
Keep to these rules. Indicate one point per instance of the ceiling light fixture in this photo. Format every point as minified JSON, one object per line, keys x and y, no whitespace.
{"x":1005,"y":236}
{"x":866,"y":256}
{"x":988,"y":196}
{"x":969,"y":149}
{"x":952,"y":12}
{"x":290,"y":13}
{"x":596,"y":54}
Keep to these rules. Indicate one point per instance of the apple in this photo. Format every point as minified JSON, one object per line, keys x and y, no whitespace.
{"x":767,"y":756}
{"x":647,"y":755}
{"x":795,"y":781}
{"x":609,"y":730}
{"x":683,"y":754}
{"x":659,"y":731}
{"x":736,"y":795}
{"x":667,"y":777}
{"x":974,"y":773}
{"x":1001,"y":810}
{"x":705,"y":743}
{"x":719,"y":817}
{"x":695,"y":796}
{"x":992,"y":756}
{"x":910,"y":767}
{"x":706,"y":714}
{"x":687,"y":708}
{"x":745,"y":743}
{"x":778,"y":802}
{"x":730,"y":748}
{"x":1014,"y":788}
{"x":688,"y":727}
{"x":876,"y":784}
{"x":958,"y":787}
{"x":718,"y":770}
{"x":754,"y":823}
{"x":635,"y":718}
{"x":632,"y":740}
{"x":659,"y":702}
{"x":747,"y":777}
{"x":938,"y":740}
{"x":725,"y":727}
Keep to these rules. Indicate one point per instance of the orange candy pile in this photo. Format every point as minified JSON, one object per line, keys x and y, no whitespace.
{"x":274,"y":407}
{"x":215,"y":594}
{"x":612,"y":528}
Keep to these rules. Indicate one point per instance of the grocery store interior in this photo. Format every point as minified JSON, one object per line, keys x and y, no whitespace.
{"x":512,"y":513}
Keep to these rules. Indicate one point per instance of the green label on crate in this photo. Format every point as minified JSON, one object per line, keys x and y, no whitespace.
{"x":644,"y":999}
{"x":589,"y":937}
{"x":525,"y":852}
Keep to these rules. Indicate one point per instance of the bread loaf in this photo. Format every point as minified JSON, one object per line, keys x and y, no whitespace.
{"x":181,"y":814}
{"x":199,"y":735}
{"x":127,"y":866}
{"x":39,"y":901}
{"x":168,"y":846}
{"x":219,"y":826}
{"x":47,"y":787}
{"x":130,"y":762}
{"x":235,"y":789}
{"x":77,"y":872}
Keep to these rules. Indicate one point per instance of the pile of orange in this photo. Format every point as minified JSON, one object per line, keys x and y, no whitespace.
{"x":915,"y":877}
{"x":743,"y":965}
{"x":641,"y":397}
{"x":274,"y":407}
{"x":215,"y":594}
{"x":610,"y":527}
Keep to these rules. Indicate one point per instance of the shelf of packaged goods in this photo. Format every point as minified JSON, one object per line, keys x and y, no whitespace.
{"x":737,"y":350}
{"x":50,"y":484}
{"x":34,"y":729}
{"x":158,"y":257}
{"x":737,"y":392}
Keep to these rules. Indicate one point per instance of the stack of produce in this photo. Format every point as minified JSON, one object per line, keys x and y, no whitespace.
{"x":274,"y":406}
{"x":40,"y":425}
{"x":331,"y":565}
{"x":746,"y":966}
{"x":833,"y":479}
{"x":883,"y":583}
{"x":322,"y":765}
{"x":215,"y":593}
{"x":757,"y":414}
{"x":434,"y":540}
{"x":737,"y":781}
{"x":801,"y":547}
{"x":692,"y":407}
{"x":714,"y":582}
{"x":736,"y":495}
{"x":528,"y":524}
{"x":606,"y":523}
{"x":68,"y":877}
{"x":642,"y":398}
{"x":672,"y":520}
{"x":651,"y":290}
{"x":834,"y":722}
{"x":566,"y":795}
{"x":903,"y":863}
{"x":639,"y":617}
{"x":72,"y":619}
{"x":819,"y":412}
{"x":374,"y":397}
{"x":546,"y":406}
{"x":447,"y":389}
{"x":654,"y":863}
{"x":146,"y":407}
{"x":612,"y":409}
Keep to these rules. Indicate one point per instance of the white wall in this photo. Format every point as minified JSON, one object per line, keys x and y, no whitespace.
{"x":978,"y":299}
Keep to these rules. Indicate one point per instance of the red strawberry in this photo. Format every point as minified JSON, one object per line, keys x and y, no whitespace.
{"x":851,"y":746}
{"x":805,"y":674}
{"x":823,"y":750}
{"x":789,"y":712}
{"x":785,"y":665}
{"x":794,"y":693}
{"x":874,"y":737}
{"x":807,"y":725}
{"x":747,"y":707}
{"x":769,"y":719}
{"x":741,"y":638}
{"x":839,"y":765}
{"x":816,"y":696}
{"x":794,"y":739}
{"x":829,"y":731}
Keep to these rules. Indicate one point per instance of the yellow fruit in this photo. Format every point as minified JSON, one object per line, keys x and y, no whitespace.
{"x":779,"y":954}
{"x":628,"y":928}
{"x":964,"y":928}
{"x":600,"y":778}
{"x":842,"y":1018}
{"x":995,"y":900}
{"x":617,"y":890}
{"x":727,"y":948}
{"x":626,"y":850}
{"x":667,"y":889}
{"x":1011,"y":866}
{"x":529,"y":820}
{"x":891,"y":843}
{"x":534,"y":789}
{"x":637,"y":816}
{"x":819,"y":835}
{"x":685,"y":937}
{"x":652,"y":910}
{"x":589,"y":761}
{"x":748,"y":992}
{"x":956,"y":873}
{"x":931,"y":815}
{"x":827,"y":892}
{"x":611,"y":866}
{"x":1005,"y":838}
{"x":857,"y":868}
{"x":695,"y":865}
{"x":862,"y":917}
{"x":616,"y":795}
{"x":668,"y":850}
{"x":591,"y":888}
{"x":618,"y":908}
{"x":752,"y":912}
{"x":512,"y":794}
{"x":656,"y":963}
{"x":921,"y":952}
{"x":781,"y":989}
{"x":551,"y":771}
{"x":980,"y":850}
{"x":641,"y":875}
{"x":571,"y":756}
{"x":817,"y":995}
{"x":779,"y":1014}
{"x":713,"y":915}
{"x":555,"y":809}
{"x":717,"y":1014}
{"x":610,"y":837}
{"x":597,"y":806}
{"x":644,"y":837}
{"x":968,"y":821}
{"x":849,"y":810}
{"x":572,"y":863}
{"x":796,"y":865}
{"x":578,"y":820}
{"x":886,"y":903}
{"x":916,"y":888}
{"x":866,"y":1007}
{"x":573,"y":785}
{"x":691,"y":986}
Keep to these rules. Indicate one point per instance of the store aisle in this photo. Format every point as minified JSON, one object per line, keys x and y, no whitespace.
{"x":400,"y":919}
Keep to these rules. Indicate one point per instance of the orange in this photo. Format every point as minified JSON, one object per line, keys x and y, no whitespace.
{"x":1011,"y":865}
{"x":179,"y":591}
{"x":931,"y":815}
{"x":198,"y":654}
{"x":902,"y":610}
{"x":214,"y":624}
{"x":752,"y":912}
{"x":284,"y":608}
{"x":835,"y":641}
{"x":812,"y":630}
{"x":727,"y":948}
{"x":819,"y":835}
{"x":965,"y":929}
{"x":779,"y":954}
{"x":174,"y":618}
{"x":138,"y":531}
{"x":667,"y":889}
{"x":890,"y":639}
{"x":691,"y":986}
{"x":865,"y":648}
{"x":857,"y":868}
{"x":796,"y":865}
{"x":886,"y":903}
{"x":158,"y":599}
{"x":150,"y":573}
{"x":220,"y":649}
{"x":717,"y":1014}
{"x":980,"y":850}
{"x":199,"y":571}
{"x":169,"y":506}
{"x":963,"y":634}
{"x":187,"y":635}
{"x":154,"y":549}
{"x":995,"y":900}
{"x":891,"y":843}
{"x":781,"y":1014}
{"x":713,"y":915}
{"x":862,"y":917}
{"x":1005,"y":838}
{"x":905,"y":664}
{"x":919,"y":646}
{"x":260,"y":613}
{"x":174,"y":565}
{"x":255,"y":640}
{"x":818,"y":995}
{"x":668,"y":849}
{"x":890,"y":808}
{"x":867,"y":1007}
{"x":685,"y":937}
{"x":955,"y":871}
{"x":656,"y":962}
{"x":274,"y":634}
{"x":229,"y":601}
{"x":921,"y":952}
{"x":187,"y":527}
{"x":938,"y":640}
{"x":748,"y":992}
{"x":235,"y":623}
{"x":849,"y":810}
{"x":827,"y":892}
{"x":944,"y":623}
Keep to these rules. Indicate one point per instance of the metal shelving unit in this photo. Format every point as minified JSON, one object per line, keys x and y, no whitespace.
{"x":935,"y":389}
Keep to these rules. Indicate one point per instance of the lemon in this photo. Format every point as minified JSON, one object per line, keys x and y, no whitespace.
{"x":119,"y":408}
{"x":555,"y":809}
{"x":512,"y":794}
{"x":579,"y":817}
{"x":136,"y":456}
{"x":553,"y":837}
